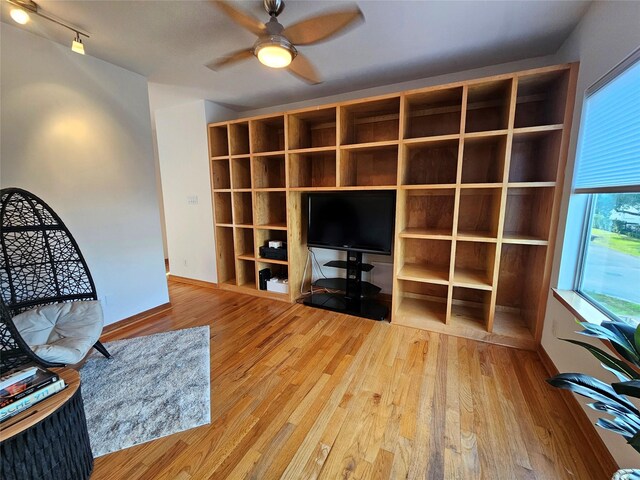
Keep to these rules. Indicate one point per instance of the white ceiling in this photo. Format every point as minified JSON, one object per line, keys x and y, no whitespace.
{"x":169,"y":42}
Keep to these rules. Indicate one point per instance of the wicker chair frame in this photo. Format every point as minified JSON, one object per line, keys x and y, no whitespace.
{"x":40,"y":264}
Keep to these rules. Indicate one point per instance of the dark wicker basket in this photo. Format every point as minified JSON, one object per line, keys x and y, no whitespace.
{"x":57,"y":448}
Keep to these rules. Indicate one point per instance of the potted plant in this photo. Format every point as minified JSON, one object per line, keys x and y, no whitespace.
{"x":624,"y":362}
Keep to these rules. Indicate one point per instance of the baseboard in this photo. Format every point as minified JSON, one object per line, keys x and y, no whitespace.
{"x":608,"y":463}
{"x":126,"y":322}
{"x":191,"y":281}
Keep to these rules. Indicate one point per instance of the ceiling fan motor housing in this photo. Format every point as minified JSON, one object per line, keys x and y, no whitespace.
{"x":274,"y":7}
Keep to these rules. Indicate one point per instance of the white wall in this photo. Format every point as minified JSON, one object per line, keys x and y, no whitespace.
{"x":184,"y":169}
{"x":76,"y":131}
{"x":608,"y":33}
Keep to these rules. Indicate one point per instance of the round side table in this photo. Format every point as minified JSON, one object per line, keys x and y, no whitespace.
{"x":50,"y":439}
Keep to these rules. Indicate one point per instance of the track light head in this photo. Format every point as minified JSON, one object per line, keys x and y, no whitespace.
{"x":19,"y":15}
{"x":77,"y":45}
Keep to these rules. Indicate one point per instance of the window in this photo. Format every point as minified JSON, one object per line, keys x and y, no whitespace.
{"x":608,"y":171}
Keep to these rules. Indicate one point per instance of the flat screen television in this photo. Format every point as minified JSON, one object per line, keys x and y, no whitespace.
{"x":356,"y":221}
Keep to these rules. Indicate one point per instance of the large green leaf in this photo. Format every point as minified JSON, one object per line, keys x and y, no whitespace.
{"x":606,"y":359}
{"x":619,"y":341}
{"x":593,"y":388}
{"x":623,"y":330}
{"x":630,"y":429}
{"x":631,"y":388}
{"x":632,"y":420}
{"x":612,"y":427}
{"x":636,"y":338}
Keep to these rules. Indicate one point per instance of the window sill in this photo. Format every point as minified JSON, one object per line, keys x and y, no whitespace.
{"x":579,"y":307}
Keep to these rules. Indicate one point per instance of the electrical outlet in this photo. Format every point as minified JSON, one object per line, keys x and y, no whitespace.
{"x":185,"y":263}
{"x":192,"y":200}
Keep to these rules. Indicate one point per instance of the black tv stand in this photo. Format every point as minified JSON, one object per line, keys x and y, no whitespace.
{"x":355,"y":297}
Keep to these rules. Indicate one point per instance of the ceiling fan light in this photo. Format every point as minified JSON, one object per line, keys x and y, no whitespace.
{"x":274,"y":56}
{"x":19,"y":16}
{"x":77,"y":45}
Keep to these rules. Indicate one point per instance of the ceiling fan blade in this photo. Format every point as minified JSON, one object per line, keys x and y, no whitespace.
{"x":304,"y":70}
{"x":252,"y":24}
{"x":316,"y":29}
{"x":230,"y":59}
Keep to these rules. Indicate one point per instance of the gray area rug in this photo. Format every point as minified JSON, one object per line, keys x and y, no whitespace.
{"x":153,"y":386}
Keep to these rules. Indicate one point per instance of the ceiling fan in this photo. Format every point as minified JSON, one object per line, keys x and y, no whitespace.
{"x":276,"y":45}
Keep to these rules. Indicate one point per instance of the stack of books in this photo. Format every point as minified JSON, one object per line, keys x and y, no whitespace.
{"x":25,"y":386}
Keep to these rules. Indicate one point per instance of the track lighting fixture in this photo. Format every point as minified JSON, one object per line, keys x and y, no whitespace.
{"x":20,"y":14}
{"x":77,"y":45}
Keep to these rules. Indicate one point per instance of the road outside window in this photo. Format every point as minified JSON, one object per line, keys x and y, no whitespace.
{"x":611,"y":266}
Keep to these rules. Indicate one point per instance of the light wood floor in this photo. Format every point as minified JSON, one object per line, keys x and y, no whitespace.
{"x":300,"y":393}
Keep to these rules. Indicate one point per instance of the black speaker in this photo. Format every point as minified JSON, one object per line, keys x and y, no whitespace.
{"x":263,"y":276}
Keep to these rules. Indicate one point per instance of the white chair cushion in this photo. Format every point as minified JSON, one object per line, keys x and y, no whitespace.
{"x":62,"y":332}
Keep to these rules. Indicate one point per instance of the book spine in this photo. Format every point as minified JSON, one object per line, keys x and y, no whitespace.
{"x":30,"y":400}
{"x":7,"y":381}
{"x":29,"y":391}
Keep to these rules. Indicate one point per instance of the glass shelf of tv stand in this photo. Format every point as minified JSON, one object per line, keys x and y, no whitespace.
{"x":365,"y":267}
{"x":340,"y":284}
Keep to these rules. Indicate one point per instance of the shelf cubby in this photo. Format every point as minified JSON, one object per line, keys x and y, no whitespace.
{"x":218,"y":141}
{"x":518,"y":292}
{"x":373,"y":121}
{"x":226,"y":263}
{"x":262,"y":236}
{"x":479,"y":212}
{"x":420,"y":304}
{"x":541,"y":99}
{"x":314,"y":169}
{"x":483,"y":159}
{"x":425,"y":261}
{"x":474,"y":264}
{"x":428,"y":212}
{"x":239,"y":138}
{"x":220,"y":174}
{"x":528,"y":213}
{"x":369,"y":167}
{"x":246,"y":273}
{"x":267,"y":134}
{"x":488,"y":106}
{"x":470,"y":307}
{"x":312,"y":129}
{"x":241,"y":173}
{"x":242,"y":211}
{"x":271,"y":209}
{"x":430,"y":163}
{"x":433,"y":113}
{"x":244,"y":243}
{"x":534,"y":157}
{"x":277,"y":270}
{"x":222,"y":208}
{"x":269,"y":172}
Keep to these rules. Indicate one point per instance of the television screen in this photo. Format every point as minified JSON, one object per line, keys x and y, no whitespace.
{"x":359,"y":221}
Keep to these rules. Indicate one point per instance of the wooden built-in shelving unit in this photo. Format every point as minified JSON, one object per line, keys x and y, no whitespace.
{"x":478,"y":169}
